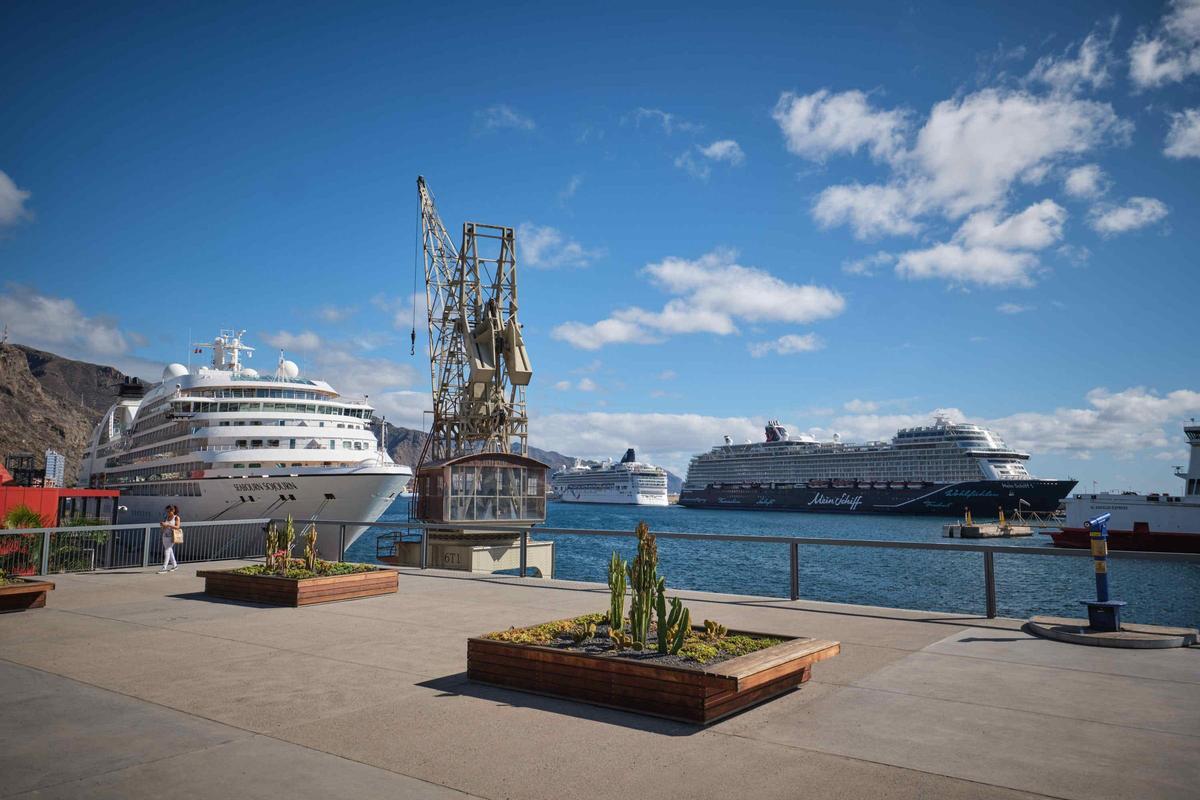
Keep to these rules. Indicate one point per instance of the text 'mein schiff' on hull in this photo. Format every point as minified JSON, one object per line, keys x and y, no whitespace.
{"x":944,"y":468}
{"x":225,"y":442}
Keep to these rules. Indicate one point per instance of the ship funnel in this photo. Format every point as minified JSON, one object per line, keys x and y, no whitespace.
{"x":629,"y":457}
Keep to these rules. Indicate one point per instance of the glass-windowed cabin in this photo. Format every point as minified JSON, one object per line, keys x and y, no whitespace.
{"x":482,"y":488}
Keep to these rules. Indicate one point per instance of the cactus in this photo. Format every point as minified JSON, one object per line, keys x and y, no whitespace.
{"x":643,"y":577}
{"x":714,"y":630}
{"x":310,"y":548}
{"x":616,"y":586}
{"x":678,"y":634}
{"x":272,"y":545}
{"x":620,"y":639}
{"x":288,"y":541}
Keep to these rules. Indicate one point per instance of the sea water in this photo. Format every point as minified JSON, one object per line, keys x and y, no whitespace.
{"x":1026,"y":585}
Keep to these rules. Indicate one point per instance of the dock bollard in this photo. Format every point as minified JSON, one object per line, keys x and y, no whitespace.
{"x":1103,"y":614}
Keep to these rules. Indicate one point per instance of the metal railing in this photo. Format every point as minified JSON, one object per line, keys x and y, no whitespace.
{"x":70,"y":549}
{"x":793,"y":544}
{"x":43,"y":551}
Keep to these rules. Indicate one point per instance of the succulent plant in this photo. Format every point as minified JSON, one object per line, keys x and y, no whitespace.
{"x":714,"y":630}
{"x":616,"y":585}
{"x":643,"y":580}
{"x":620,"y":638}
{"x":310,"y":548}
{"x":272,"y":544}
{"x":581,"y":633}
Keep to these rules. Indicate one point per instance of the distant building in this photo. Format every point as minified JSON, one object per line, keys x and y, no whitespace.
{"x":56,"y":467}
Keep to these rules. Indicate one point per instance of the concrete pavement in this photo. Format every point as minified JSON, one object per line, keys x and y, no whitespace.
{"x":132,"y":684}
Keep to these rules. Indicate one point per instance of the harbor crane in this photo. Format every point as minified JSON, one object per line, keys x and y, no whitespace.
{"x":479,"y":366}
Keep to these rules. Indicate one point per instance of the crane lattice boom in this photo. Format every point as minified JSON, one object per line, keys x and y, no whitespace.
{"x":479,"y":366}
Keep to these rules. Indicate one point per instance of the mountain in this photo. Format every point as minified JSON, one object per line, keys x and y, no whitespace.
{"x":51,"y":402}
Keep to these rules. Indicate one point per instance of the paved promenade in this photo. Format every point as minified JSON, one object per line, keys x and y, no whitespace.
{"x":135,"y":685}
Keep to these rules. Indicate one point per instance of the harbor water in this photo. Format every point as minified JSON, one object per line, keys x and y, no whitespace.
{"x":1026,"y":585}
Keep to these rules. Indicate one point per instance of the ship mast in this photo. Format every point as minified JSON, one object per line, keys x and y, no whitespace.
{"x":478,"y":363}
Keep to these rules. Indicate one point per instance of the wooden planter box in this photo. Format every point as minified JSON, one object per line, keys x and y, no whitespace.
{"x":297,"y":592}
{"x":24,"y":593}
{"x":700,"y":695}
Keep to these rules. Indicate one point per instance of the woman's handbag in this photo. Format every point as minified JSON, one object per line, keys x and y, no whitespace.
{"x":177,"y":536}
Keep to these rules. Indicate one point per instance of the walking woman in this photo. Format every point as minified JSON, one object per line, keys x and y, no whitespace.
{"x":172,"y":534}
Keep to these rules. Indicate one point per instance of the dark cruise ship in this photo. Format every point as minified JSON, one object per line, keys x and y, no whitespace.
{"x":945,"y":468}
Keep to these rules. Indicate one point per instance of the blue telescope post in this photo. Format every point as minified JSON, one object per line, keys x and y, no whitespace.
{"x":1103,"y":614}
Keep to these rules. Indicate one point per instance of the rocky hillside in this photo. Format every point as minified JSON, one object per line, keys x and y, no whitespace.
{"x":51,"y":402}
{"x":48,"y":402}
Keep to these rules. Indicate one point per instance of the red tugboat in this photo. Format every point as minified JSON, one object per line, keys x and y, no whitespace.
{"x":1159,"y":522}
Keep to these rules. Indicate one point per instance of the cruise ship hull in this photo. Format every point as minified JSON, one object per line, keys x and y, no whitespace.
{"x":359,"y":495}
{"x":612,"y":497}
{"x":983,"y":498}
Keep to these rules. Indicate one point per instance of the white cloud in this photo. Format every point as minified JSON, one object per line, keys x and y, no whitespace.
{"x":724,"y":150}
{"x":867,"y":265}
{"x":670,"y":123}
{"x":987,"y":266}
{"x":1172,"y":53}
{"x":12,"y":201}
{"x":304,"y":341}
{"x":562,"y":386}
{"x":58,"y":325}
{"x":335,"y":314}
{"x":822,"y":124}
{"x":967,"y":155}
{"x":1131,"y":421}
{"x":1086,"y":182}
{"x":787,"y":344}
{"x":972,"y":149}
{"x":668,"y":375}
{"x":586,"y":385}
{"x":604,"y":332}
{"x":1183,"y":140}
{"x":857,"y":406}
{"x":1035,"y":228}
{"x":501,"y":116}
{"x":872,"y":210}
{"x":711,"y":294}
{"x":1088,"y":69}
{"x":542,"y":246}
{"x":1013,"y":308}
{"x":570,"y":189}
{"x":1137,"y":212}
{"x":669,"y":440}
{"x":695,"y":161}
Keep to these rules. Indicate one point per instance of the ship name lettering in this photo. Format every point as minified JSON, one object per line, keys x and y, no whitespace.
{"x":278,"y":486}
{"x":820,"y":499}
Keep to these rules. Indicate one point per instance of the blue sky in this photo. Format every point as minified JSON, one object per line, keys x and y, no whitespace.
{"x":844,"y":218}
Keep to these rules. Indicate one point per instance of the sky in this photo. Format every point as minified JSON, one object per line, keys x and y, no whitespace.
{"x":842,"y":216}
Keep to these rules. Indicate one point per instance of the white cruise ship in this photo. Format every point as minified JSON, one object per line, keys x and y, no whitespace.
{"x":224,"y":442}
{"x":627,"y":483}
{"x":945,"y":468}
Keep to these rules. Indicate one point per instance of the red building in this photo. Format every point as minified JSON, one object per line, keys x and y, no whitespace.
{"x":56,"y":505}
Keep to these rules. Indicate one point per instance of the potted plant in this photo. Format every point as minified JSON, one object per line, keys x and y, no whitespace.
{"x":651,"y":661}
{"x":283,"y":580}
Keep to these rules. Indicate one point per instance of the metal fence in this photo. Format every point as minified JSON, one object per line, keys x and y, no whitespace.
{"x":43,"y":551}
{"x":793,"y":545}
{"x":75,"y":549}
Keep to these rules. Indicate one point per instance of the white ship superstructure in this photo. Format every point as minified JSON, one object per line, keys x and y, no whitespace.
{"x":225,"y":442}
{"x":628,"y":483}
